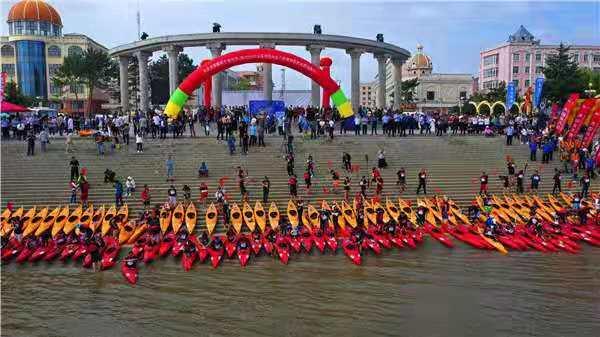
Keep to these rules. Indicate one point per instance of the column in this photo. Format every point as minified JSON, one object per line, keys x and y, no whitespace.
{"x":380,"y":80}
{"x":143,"y":83}
{"x":124,"y":82}
{"x":173,"y":55}
{"x":397,"y":64}
{"x":315,"y":88}
{"x":217,"y":84}
{"x":355,"y":78}
{"x":268,"y":75}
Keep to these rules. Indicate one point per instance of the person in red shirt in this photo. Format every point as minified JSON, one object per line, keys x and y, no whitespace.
{"x":145,"y":196}
{"x":203,"y":193}
{"x":307,"y":181}
{"x":379,"y":186}
{"x":293,"y":182}
{"x":483,"y":188}
{"x":85,"y":188}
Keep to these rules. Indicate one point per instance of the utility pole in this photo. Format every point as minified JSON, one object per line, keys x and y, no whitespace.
{"x":138,"y":20}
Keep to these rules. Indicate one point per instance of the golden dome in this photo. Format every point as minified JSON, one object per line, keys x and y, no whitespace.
{"x":34,"y":10}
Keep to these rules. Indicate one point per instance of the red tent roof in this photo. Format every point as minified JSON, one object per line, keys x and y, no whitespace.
{"x":10,"y":107}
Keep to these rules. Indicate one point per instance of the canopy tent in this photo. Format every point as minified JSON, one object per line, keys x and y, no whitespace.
{"x":9,"y":107}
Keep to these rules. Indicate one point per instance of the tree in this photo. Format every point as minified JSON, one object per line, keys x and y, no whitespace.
{"x":242,"y":84}
{"x":587,"y":77}
{"x":562,"y":77}
{"x":97,"y":72}
{"x":407,"y":91}
{"x":69,"y":74}
{"x":13,"y":94}
{"x":496,"y":94}
{"x":159,"y":76}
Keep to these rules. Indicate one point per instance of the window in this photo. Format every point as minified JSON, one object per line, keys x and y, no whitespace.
{"x":490,"y":84}
{"x":76,"y":89}
{"x":462,"y":95}
{"x":585,"y":57}
{"x":9,"y":69}
{"x":10,"y":28}
{"x":526,"y":70}
{"x":52,"y":69}
{"x":77,"y":105}
{"x":515,"y":70}
{"x":516,"y":82}
{"x":527,"y":57}
{"x":30,"y":27}
{"x":54,"y":90}
{"x":430,"y":95}
{"x":19,"y":25}
{"x":7,"y":51}
{"x":44,"y":28}
{"x":575,"y":57}
{"x":527,"y":83}
{"x":538,"y":57}
{"x":490,"y":60}
{"x":54,"y":51}
{"x":491,"y":72}
{"x":516,"y":57}
{"x":56,"y":30}
{"x":75,"y":50}
{"x":596,"y":58}
{"x":539,"y":70}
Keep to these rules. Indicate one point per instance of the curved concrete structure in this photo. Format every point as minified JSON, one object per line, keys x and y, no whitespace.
{"x":217,"y":42}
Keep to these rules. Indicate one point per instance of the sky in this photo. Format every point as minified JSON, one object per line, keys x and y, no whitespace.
{"x":452,"y":33}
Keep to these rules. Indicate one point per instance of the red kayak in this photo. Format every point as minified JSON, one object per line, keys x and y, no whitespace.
{"x":11,"y":250}
{"x":41,"y":251}
{"x":380,"y":237}
{"x":229,"y":243}
{"x":267,"y":245}
{"x":283,"y":249}
{"x":177,"y":248}
{"x":110,"y":253}
{"x":319,"y":240}
{"x":82,"y":249}
{"x":130,"y":273}
{"x":150,"y":252}
{"x":202,"y":252}
{"x":409,"y":240}
{"x":307,"y":240}
{"x":351,"y":250}
{"x":138,"y":247}
{"x":256,"y":245}
{"x":166,"y":244}
{"x":68,"y":251}
{"x":216,"y":255}
{"x":24,"y":254}
{"x":560,"y":244}
{"x":370,"y":243}
{"x":331,"y":241}
{"x":87,"y":260}
{"x":397,"y":240}
{"x":243,"y":253}
{"x":466,"y":237}
{"x":188,"y":259}
{"x":509,"y":242}
{"x":295,"y":243}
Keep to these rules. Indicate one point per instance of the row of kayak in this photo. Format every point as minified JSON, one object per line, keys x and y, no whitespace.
{"x":353,"y":242}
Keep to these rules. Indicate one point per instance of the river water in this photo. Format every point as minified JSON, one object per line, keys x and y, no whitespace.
{"x":431,"y":291}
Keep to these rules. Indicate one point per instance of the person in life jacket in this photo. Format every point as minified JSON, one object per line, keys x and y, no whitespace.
{"x":535,"y":181}
{"x":422,"y":177}
{"x":483,"y":187}
{"x":401,"y":182}
{"x":421,"y":212}
{"x":490,"y":226}
{"x":520,"y":177}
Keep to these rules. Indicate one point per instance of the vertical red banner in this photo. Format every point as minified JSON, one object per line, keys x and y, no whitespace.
{"x":592,"y":128}
{"x":562,"y":120}
{"x":586,"y":107}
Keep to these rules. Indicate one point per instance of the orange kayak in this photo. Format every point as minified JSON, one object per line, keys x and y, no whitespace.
{"x":35,"y":222}
{"x":108,"y":216}
{"x":165,"y":219}
{"x":86,"y":217}
{"x":97,"y":219}
{"x":126,"y":231}
{"x":48,"y":221}
{"x":260,"y":216}
{"x":60,"y":221}
{"x":177,"y":218}
{"x":137,"y":233}
{"x":190,"y":217}
{"x":292,"y":213}
{"x":236,"y":217}
{"x":248,"y":214}
{"x":72,"y":220}
{"x":122,"y":214}
{"x":211,"y":218}
{"x":274,"y":215}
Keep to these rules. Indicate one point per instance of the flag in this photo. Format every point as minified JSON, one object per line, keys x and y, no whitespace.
{"x":562,"y":120}
{"x":585,"y":109}
{"x":511,"y":92}
{"x":592,"y":128}
{"x":539,"y":87}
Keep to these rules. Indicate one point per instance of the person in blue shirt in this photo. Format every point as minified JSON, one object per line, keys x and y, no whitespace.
{"x":533,"y":150}
{"x":546,"y":150}
{"x":170,"y":168}
{"x":231,"y":145}
{"x":118,"y":193}
{"x":203,"y":170}
{"x":590,"y":164}
{"x":385,"y":121}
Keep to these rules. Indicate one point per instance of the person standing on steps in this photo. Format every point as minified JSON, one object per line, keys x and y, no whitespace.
{"x":347,"y":182}
{"x":483,"y":188}
{"x":535,"y":181}
{"x":170,"y":168}
{"x":118,"y":193}
{"x":557,"y":182}
{"x":585,"y":184}
{"x":347,"y":161}
{"x":293,"y":183}
{"x":401,"y":179}
{"x":145,"y":196}
{"x":172,"y":193}
{"x":30,"y":143}
{"x":74,"y":163}
{"x":520,"y":177}
{"x":266,"y":186}
{"x":422,"y":181}
{"x":139,"y":142}
{"x":85,"y":190}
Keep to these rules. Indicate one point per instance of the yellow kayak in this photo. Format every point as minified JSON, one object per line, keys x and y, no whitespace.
{"x":248,"y":214}
{"x":292,"y":213}
{"x":73,"y":220}
{"x":190,"y":217}
{"x":392,"y":209}
{"x":126,"y":231}
{"x":274,"y":215}
{"x":86,"y":217}
{"x":348,"y":214}
{"x":122,"y":214}
{"x":177,"y":219}
{"x":165,"y":219}
{"x":140,"y":229}
{"x":211,"y":218}
{"x":341,"y":220}
{"x":48,"y":221}
{"x":313,"y":216}
{"x":496,"y":244}
{"x":5,"y":215}
{"x":35,"y":222}
{"x":108,"y":216}
{"x":60,"y":221}
{"x":236,"y":218}
{"x":97,"y":219}
{"x":260,"y":216}
{"x":369,"y":213}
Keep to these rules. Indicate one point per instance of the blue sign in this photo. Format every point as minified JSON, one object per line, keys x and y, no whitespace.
{"x":270,"y":108}
{"x":537,"y":94}
{"x":511,"y":92}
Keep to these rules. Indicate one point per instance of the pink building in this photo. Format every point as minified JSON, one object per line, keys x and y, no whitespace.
{"x":521,"y":60}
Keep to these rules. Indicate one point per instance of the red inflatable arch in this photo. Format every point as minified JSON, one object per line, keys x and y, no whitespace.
{"x":261,"y":55}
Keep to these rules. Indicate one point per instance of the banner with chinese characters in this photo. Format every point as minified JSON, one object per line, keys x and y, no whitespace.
{"x":585,"y":109}
{"x":562,"y":120}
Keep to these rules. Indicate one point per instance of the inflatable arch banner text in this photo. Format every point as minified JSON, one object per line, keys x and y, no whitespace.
{"x":260,"y":55}
{"x":562,"y":120}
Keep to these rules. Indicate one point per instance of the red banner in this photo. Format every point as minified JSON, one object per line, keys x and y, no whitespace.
{"x":592,"y":128}
{"x":554,"y":111}
{"x":585,"y":109}
{"x":562,"y":120}
{"x":598,"y":157}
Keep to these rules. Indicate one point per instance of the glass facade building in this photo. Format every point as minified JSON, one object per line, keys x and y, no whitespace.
{"x":31,"y":68}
